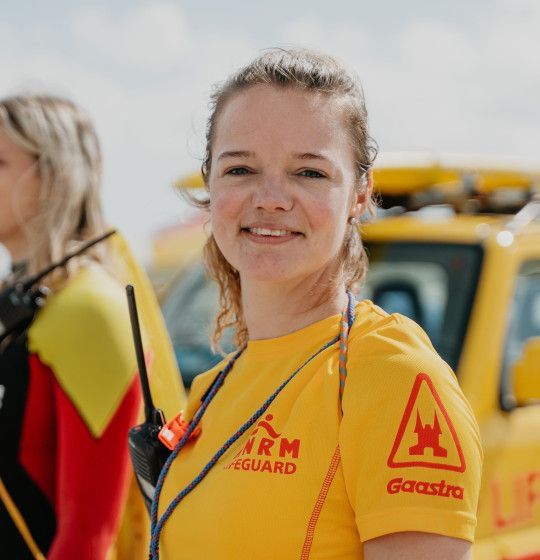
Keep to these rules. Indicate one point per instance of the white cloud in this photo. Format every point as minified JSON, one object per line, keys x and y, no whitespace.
{"x":437,"y":85}
{"x":153,"y":36}
{"x":435,"y":48}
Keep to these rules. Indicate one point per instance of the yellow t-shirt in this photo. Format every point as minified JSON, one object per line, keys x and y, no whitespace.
{"x":315,"y":478}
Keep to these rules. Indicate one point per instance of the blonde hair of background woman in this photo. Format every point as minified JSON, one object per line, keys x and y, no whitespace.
{"x":320,"y":74}
{"x":68,"y":161}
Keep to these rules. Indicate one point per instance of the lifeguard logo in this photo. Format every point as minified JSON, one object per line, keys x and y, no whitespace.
{"x":426,"y":436}
{"x":442,"y":489}
{"x":267,"y":451}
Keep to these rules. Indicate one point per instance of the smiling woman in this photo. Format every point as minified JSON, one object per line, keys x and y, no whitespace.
{"x":328,"y":401}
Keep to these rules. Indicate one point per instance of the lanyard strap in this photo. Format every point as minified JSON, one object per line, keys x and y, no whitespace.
{"x":157,"y":524}
{"x":347,"y":319}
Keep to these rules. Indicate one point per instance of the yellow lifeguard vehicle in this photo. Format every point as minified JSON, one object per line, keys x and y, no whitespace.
{"x":456,"y":248}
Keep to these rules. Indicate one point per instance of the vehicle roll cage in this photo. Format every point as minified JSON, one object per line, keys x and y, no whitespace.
{"x":470,"y":184}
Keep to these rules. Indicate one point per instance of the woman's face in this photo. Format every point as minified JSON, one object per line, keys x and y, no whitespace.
{"x":282,"y":185}
{"x":19,"y":192}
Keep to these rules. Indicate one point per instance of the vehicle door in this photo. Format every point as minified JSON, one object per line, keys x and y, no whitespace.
{"x":509,"y":516}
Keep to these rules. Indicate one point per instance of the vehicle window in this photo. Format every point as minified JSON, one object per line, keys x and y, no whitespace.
{"x":524,"y":323}
{"x":189,"y":311}
{"x":433,"y":284}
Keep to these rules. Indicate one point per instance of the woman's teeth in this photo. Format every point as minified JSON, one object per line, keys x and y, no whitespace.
{"x":273,"y":232}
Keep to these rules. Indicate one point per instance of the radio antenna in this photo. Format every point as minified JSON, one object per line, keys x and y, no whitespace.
{"x":149,"y":407}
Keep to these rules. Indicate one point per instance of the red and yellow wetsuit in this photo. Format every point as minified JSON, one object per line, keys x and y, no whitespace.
{"x":69,"y":395}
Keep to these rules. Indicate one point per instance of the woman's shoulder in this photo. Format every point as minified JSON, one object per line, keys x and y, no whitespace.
{"x":391,"y":349}
{"x":377,"y":332}
{"x":394,"y":374}
{"x":201,"y":384}
{"x":83,"y":335}
{"x":92,"y":288}
{"x":90,"y":307}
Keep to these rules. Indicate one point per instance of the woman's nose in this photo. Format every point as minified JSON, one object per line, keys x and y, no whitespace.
{"x":272,"y":193}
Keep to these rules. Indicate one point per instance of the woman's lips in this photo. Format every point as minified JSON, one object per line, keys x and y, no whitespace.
{"x":269,"y":235}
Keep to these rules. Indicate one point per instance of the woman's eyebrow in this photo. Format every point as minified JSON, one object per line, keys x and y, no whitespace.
{"x":235,"y":153}
{"x":311,"y":155}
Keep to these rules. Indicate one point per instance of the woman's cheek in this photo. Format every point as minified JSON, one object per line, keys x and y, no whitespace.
{"x":29,"y":207}
{"x":27,"y":197}
{"x":224,"y":204}
{"x":223,"y":220}
{"x":323,"y":215}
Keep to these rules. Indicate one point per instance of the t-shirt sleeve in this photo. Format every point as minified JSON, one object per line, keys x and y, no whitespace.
{"x":409,"y":442}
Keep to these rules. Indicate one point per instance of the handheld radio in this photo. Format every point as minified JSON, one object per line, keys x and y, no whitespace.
{"x":20,"y":302}
{"x":148,"y":454}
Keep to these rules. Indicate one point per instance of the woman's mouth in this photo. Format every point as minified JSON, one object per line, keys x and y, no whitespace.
{"x":272,"y":232}
{"x":269,"y":235}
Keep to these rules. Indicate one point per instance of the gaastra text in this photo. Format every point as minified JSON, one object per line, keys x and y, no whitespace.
{"x":442,"y":489}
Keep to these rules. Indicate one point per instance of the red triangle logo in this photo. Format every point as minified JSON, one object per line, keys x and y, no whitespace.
{"x":426,"y":436}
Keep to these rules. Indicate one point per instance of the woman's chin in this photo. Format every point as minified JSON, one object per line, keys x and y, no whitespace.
{"x":267,"y":275}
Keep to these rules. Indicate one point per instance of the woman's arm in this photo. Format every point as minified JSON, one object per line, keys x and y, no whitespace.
{"x":91,"y":478}
{"x":403,"y":484}
{"x":416,"y":546}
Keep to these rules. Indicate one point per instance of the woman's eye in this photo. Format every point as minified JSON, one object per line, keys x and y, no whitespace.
{"x":237,"y":171}
{"x":311,"y":173}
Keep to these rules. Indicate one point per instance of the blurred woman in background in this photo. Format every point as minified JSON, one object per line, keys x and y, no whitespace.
{"x":68,"y":387}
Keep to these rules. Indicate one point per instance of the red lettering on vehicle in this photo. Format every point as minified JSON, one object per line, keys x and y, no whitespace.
{"x":523,"y":499}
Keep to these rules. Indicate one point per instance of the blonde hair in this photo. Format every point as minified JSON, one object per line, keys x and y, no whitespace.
{"x":313,"y":72}
{"x":63,"y":141}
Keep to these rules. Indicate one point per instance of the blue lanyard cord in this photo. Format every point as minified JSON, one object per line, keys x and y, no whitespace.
{"x":345,"y":325}
{"x":158,"y":524}
{"x":191,"y":428}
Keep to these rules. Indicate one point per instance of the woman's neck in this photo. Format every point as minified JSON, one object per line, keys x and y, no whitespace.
{"x":271,"y":311}
{"x":18,"y":247}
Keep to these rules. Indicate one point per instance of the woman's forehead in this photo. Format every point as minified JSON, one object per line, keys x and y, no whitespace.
{"x":291,"y":116}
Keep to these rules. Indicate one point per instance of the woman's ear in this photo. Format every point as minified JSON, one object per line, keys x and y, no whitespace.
{"x":363,"y":195}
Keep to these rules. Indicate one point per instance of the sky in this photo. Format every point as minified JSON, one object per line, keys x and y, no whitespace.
{"x":460,"y":76}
